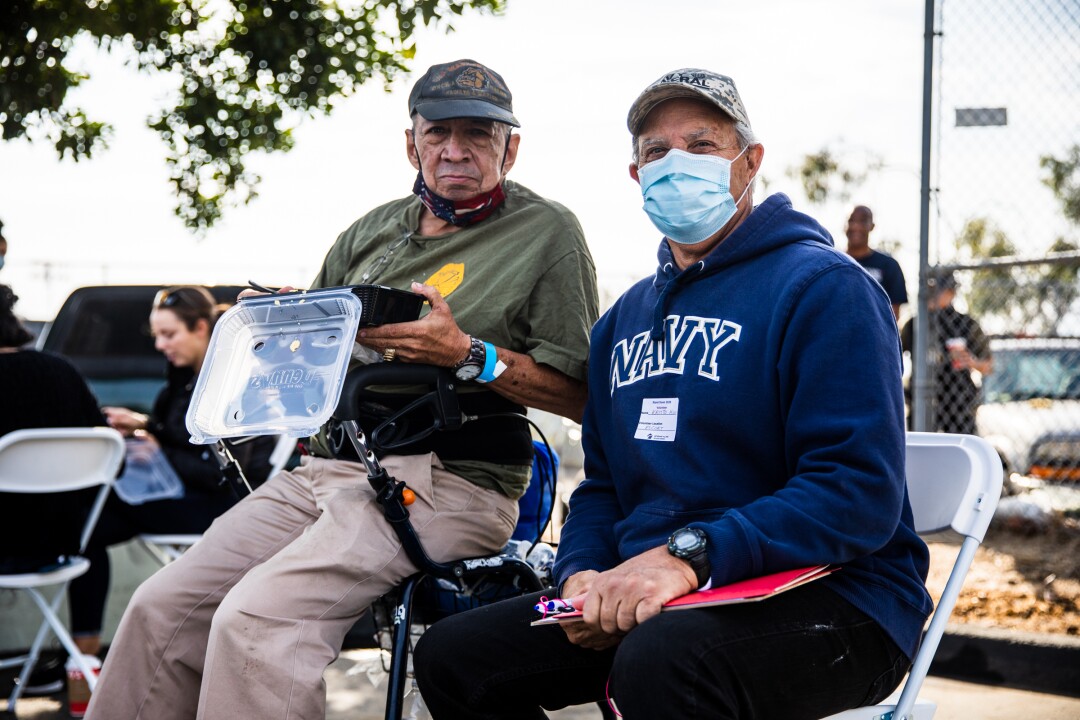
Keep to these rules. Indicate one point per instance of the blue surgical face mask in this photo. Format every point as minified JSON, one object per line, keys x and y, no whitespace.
{"x":1,"y":262}
{"x":688,"y":196}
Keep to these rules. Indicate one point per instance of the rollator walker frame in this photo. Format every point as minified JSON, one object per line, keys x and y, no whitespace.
{"x":393,"y":496}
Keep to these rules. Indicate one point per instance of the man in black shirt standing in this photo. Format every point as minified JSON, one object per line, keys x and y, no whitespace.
{"x":881,"y":267}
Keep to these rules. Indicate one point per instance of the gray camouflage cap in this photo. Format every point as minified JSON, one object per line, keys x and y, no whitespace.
{"x":718,"y":90}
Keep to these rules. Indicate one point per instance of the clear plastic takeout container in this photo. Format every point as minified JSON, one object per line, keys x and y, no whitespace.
{"x":275,"y":365}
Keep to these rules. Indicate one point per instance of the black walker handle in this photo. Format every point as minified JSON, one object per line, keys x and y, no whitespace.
{"x":360,"y":379}
{"x":389,"y":491}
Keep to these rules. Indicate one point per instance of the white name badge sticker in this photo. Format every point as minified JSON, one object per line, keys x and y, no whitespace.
{"x":659,"y":419}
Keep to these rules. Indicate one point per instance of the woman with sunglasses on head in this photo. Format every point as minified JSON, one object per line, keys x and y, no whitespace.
{"x":181,"y":321}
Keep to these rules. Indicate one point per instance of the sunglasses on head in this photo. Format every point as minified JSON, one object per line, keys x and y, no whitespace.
{"x":166,"y":299}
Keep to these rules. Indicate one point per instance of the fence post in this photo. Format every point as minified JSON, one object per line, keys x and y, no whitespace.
{"x":920,"y":376}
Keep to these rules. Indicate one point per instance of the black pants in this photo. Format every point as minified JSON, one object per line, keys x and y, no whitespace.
{"x":803,"y":654}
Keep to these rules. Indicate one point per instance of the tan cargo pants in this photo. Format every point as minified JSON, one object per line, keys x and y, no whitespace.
{"x":244,"y":624}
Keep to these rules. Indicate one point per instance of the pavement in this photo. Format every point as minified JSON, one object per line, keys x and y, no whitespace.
{"x":356,"y":686}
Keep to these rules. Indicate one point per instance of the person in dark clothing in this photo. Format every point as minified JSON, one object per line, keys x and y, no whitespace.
{"x":744,"y":417}
{"x":957,"y":346}
{"x":882,"y":267}
{"x":181,"y":321}
{"x":39,"y":390}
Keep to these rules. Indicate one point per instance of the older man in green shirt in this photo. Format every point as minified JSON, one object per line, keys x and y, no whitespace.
{"x":245,"y":623}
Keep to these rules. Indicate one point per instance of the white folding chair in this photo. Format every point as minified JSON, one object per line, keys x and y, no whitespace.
{"x":281,"y":454}
{"x":53,"y":460}
{"x":166,"y":548}
{"x":954,"y":482}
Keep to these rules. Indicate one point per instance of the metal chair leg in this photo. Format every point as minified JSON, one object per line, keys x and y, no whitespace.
{"x":399,"y":659}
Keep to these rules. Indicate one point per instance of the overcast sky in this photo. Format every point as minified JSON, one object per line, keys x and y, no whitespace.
{"x":843,"y":73}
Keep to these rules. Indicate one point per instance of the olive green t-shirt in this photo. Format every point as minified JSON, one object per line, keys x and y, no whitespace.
{"x":522,"y":279}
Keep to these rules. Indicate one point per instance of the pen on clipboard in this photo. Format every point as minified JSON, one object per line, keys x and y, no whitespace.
{"x":553,"y":606}
{"x":261,"y":288}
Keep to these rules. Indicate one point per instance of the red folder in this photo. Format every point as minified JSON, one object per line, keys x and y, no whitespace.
{"x":750,"y":590}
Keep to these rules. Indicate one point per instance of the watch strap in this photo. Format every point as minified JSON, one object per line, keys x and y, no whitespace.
{"x":702,"y":569}
{"x":476,"y":347}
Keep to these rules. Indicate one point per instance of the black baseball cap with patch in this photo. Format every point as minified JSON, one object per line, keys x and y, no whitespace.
{"x":462,"y":89}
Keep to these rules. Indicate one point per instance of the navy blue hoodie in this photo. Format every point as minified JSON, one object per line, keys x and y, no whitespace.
{"x":755,"y":395}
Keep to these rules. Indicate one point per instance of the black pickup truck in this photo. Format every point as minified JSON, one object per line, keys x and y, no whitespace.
{"x":105,"y":331}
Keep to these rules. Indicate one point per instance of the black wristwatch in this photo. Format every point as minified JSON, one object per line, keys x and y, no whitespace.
{"x":690,"y":544}
{"x":471,"y":367}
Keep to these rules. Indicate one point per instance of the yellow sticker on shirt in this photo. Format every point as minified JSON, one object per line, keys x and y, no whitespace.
{"x":447,"y":278}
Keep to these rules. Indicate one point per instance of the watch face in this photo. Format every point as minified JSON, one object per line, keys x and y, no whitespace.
{"x":686,"y":543}
{"x":467,"y":372}
{"x":472,"y":366}
{"x":685,"y":540}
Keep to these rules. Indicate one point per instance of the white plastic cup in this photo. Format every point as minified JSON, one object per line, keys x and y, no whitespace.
{"x":78,"y":688}
{"x":956,"y":347}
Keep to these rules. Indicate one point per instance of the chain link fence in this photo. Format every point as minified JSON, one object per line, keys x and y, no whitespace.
{"x":1001,"y":303}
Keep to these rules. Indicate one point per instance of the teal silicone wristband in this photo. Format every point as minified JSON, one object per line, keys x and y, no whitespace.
{"x":490,"y":358}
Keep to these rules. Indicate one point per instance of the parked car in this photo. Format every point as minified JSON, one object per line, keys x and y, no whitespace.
{"x":104,"y":330}
{"x":1031,"y":406}
{"x":35,"y":327}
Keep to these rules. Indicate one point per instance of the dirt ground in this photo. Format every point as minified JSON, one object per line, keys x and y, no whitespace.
{"x":1025,"y":576}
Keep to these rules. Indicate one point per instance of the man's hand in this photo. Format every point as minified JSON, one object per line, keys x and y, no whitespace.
{"x":434,"y":339}
{"x":578,"y":584}
{"x":622,"y":598}
{"x":580,"y":633}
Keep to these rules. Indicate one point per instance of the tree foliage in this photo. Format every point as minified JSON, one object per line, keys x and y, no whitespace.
{"x":248,"y":71}
{"x":1033,"y":298}
{"x":825,"y":176}
{"x":1030,"y":298}
{"x":1063,"y":179}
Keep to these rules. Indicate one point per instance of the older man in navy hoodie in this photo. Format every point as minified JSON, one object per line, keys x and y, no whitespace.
{"x":745,"y":417}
